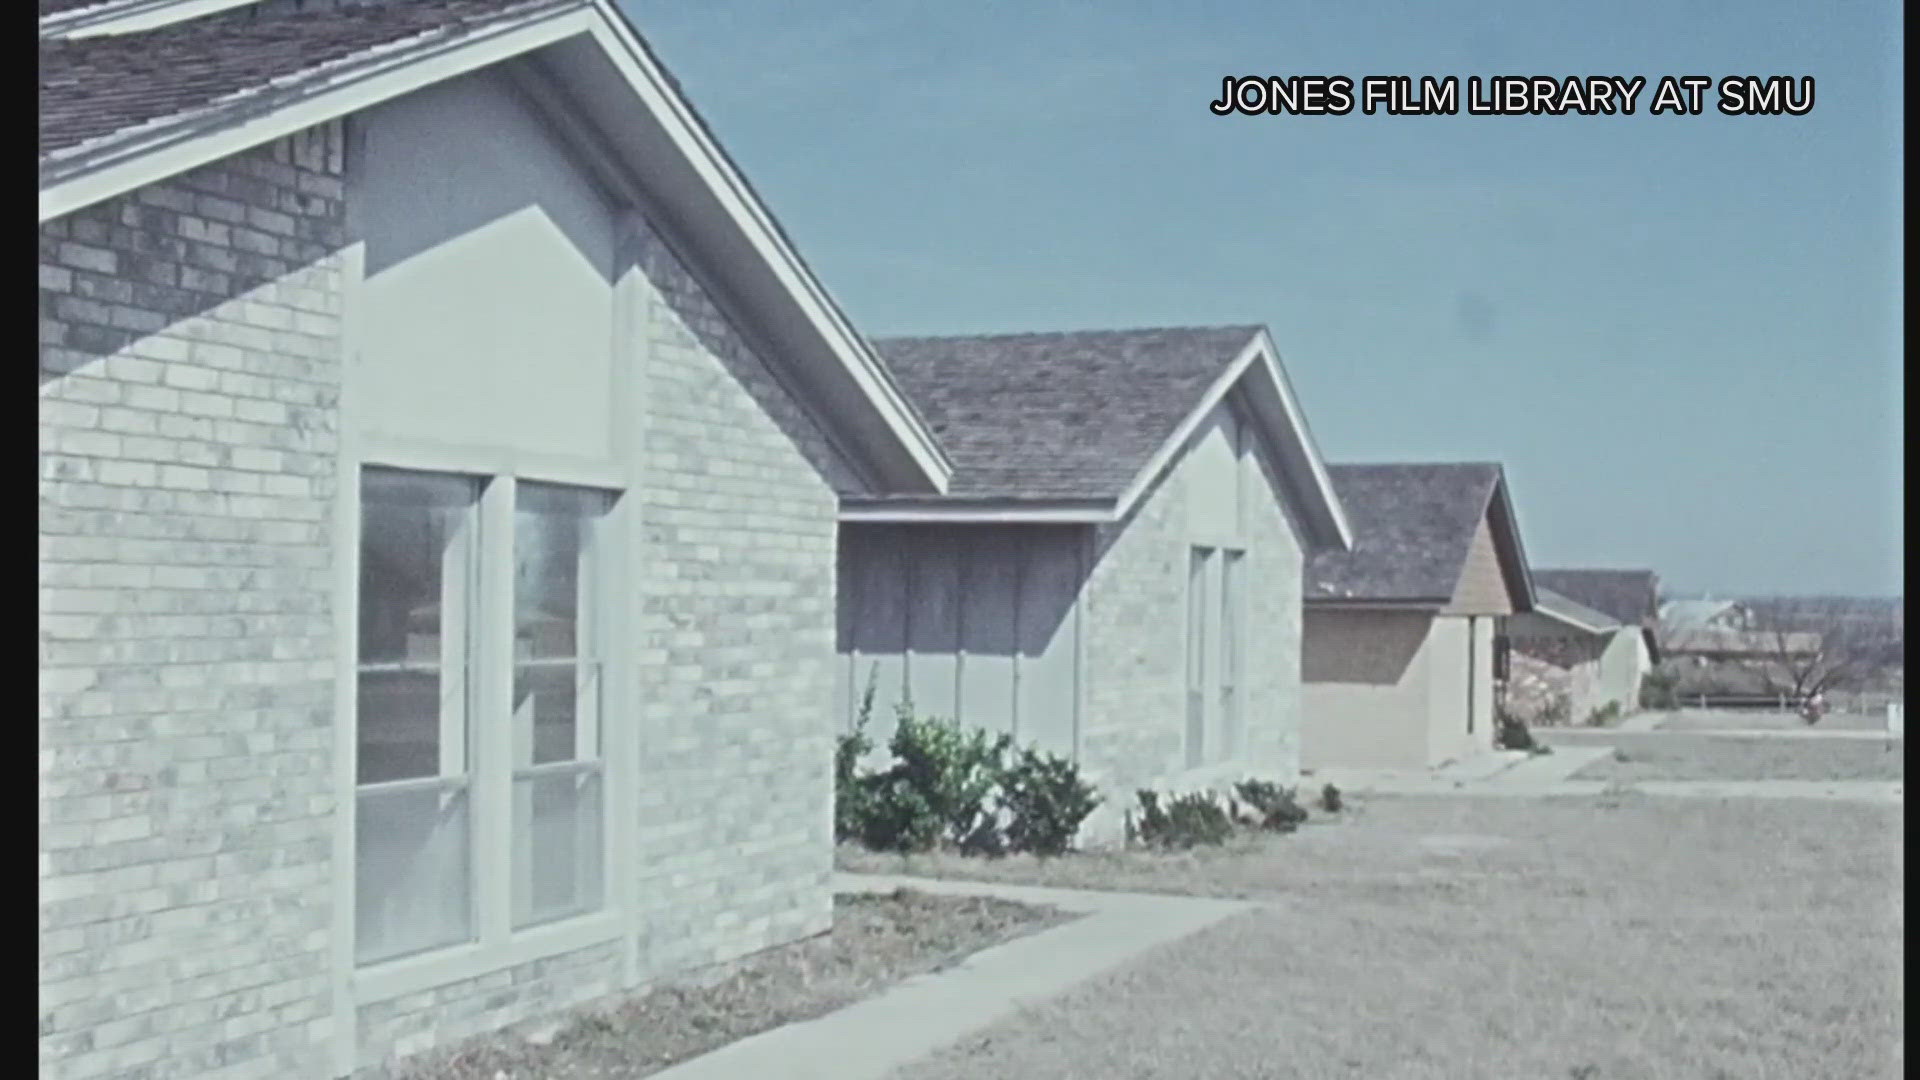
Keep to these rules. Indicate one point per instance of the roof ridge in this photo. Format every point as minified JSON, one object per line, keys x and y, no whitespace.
{"x":1189,"y":328}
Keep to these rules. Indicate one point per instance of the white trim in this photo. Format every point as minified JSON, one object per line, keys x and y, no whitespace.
{"x":346,"y":632}
{"x":862,"y":363}
{"x":1258,"y":350}
{"x":124,"y":16}
{"x":935,"y":511}
{"x":1431,"y":607}
{"x":494,"y":460}
{"x":1568,"y":620}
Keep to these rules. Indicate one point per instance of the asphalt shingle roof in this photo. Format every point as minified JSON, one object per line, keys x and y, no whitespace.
{"x":1630,"y":596}
{"x":1074,"y":414}
{"x":93,"y":87}
{"x":1413,"y":525}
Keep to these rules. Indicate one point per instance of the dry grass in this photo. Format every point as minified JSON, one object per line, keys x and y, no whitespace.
{"x":1444,"y":937}
{"x":1670,"y":755}
{"x":1729,"y":720}
{"x":876,"y":941}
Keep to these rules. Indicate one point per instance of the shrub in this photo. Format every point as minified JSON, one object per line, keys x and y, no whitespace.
{"x":1659,"y":689}
{"x":1510,"y":732}
{"x":1604,"y":715}
{"x":853,"y":792}
{"x":1045,"y":801}
{"x":938,"y":788}
{"x":1274,"y":806}
{"x":1330,"y":799}
{"x":1187,"y":821}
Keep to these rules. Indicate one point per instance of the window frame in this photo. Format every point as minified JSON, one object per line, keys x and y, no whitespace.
{"x":495,"y":939}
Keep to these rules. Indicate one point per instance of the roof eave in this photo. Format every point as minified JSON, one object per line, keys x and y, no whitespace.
{"x":973,"y":511}
{"x":128,"y":16}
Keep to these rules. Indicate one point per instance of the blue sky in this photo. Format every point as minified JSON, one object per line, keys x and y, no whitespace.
{"x":1681,"y":335}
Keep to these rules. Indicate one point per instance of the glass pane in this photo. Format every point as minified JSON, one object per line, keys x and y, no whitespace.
{"x":399,"y":725}
{"x":550,"y":548}
{"x":550,"y":701}
{"x":556,"y":839}
{"x":410,"y":534}
{"x":412,"y":874}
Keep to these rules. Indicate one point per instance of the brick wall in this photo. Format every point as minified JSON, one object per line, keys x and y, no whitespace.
{"x":188,"y":387}
{"x":1135,"y":653}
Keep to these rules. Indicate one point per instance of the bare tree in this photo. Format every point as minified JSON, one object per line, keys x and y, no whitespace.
{"x":1816,"y":645}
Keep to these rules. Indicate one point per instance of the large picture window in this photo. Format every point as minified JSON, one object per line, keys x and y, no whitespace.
{"x":425,"y":703}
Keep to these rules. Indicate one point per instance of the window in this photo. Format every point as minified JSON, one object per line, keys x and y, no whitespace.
{"x":1198,"y":609}
{"x":1232,"y":733}
{"x":556,"y":705}
{"x":436,"y":728}
{"x":413,"y":872}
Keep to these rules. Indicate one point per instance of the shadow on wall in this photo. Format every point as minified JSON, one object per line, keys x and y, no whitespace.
{"x":1372,"y":648}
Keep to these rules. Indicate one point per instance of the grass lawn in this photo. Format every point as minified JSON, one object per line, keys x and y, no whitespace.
{"x":1616,"y":937}
{"x":1671,"y":755}
{"x":1727,"y":719}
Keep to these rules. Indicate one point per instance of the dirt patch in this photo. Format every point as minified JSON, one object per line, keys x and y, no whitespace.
{"x":876,"y":941}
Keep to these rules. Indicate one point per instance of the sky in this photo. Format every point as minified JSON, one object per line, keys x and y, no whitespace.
{"x":1681,"y":335}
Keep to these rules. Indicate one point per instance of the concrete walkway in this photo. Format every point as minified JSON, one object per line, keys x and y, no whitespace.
{"x":904,"y":1023}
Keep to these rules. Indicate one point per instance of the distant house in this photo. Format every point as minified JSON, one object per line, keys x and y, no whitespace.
{"x":1114,"y":574}
{"x":1708,"y":631}
{"x":1577,"y":654}
{"x":1399,"y":650}
{"x":1628,"y":598}
{"x":440,"y":458}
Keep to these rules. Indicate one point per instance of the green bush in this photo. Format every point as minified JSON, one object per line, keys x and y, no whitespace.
{"x":1045,"y":800}
{"x":1187,"y":821}
{"x":1330,"y":799}
{"x":939,"y":787}
{"x":1274,"y":807}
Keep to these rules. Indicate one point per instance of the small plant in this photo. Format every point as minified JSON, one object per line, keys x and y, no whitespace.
{"x":1273,"y":805}
{"x":1045,"y":800}
{"x":1660,"y":690}
{"x":1330,"y":799}
{"x":1604,"y":714}
{"x":1187,"y":821}
{"x":1556,"y":710}
{"x":1510,"y":732}
{"x":853,"y":792}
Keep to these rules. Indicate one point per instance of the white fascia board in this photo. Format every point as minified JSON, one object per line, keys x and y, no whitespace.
{"x":128,"y":16}
{"x":958,"y":512}
{"x":1258,"y":351}
{"x":864,"y":366}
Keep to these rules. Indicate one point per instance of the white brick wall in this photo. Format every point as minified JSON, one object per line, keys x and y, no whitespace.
{"x":189,"y":393}
{"x":1135,"y":653}
{"x":188,"y":386}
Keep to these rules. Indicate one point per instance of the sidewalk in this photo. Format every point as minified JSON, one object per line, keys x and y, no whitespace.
{"x":870,"y":1038}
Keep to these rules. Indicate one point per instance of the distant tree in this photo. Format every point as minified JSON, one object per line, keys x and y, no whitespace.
{"x":1816,"y":645}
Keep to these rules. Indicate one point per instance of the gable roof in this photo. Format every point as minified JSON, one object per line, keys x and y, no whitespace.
{"x":1630,"y":596}
{"x":76,"y":18}
{"x":119,"y":111}
{"x":1075,"y":425}
{"x":1414,"y":526}
{"x":1677,"y":615}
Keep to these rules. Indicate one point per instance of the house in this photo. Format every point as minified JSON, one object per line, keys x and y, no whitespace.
{"x":1565,"y":651}
{"x":1114,"y":573}
{"x":1704,"y":632}
{"x":1398,"y":654}
{"x":441,"y":453}
{"x":1625,"y":599}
